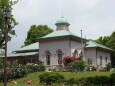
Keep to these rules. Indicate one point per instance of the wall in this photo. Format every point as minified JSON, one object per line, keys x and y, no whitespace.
{"x":91,"y":53}
{"x":95,"y":53}
{"x":104,"y":54}
{"x":52,"y":46}
{"x":76,"y":45}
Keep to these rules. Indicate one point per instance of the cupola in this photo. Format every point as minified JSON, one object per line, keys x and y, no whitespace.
{"x":62,"y":24}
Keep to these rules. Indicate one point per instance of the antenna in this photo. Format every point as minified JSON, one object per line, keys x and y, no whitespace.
{"x":62,"y":13}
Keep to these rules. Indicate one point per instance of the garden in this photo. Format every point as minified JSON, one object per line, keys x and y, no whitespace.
{"x":75,"y":72}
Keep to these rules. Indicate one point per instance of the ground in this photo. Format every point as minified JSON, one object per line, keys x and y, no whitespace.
{"x":35,"y":77}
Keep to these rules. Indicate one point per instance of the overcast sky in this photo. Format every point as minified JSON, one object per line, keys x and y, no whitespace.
{"x":95,"y":17}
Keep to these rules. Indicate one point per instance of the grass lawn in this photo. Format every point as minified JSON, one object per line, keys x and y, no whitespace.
{"x":35,"y":77}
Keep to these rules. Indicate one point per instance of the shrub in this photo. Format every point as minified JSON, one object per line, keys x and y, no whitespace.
{"x":93,"y":68}
{"x":112,"y":79}
{"x":78,"y":66}
{"x":51,"y":77}
{"x":70,"y":82}
{"x":67,"y":60}
{"x":108,"y":66}
{"x":21,"y":71}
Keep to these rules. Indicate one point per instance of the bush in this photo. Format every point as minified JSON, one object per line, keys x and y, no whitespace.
{"x":97,"y":81}
{"x":67,"y":60}
{"x":78,"y":66}
{"x":21,"y":71}
{"x":51,"y":77}
{"x":70,"y":82}
{"x":93,"y":68}
{"x":108,"y":66}
{"x":112,"y":79}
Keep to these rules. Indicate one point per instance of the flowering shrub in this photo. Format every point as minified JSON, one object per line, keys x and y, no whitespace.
{"x":21,"y":71}
{"x":67,"y":60}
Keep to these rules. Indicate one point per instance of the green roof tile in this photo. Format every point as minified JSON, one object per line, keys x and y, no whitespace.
{"x":22,"y":54}
{"x":59,"y":34}
{"x":94,"y":44}
{"x":62,"y":20}
{"x":30,"y":47}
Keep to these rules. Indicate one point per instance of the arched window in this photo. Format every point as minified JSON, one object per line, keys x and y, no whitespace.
{"x":75,"y":53}
{"x":48,"y":54}
{"x":59,"y":55}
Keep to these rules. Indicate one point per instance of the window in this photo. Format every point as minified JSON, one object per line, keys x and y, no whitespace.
{"x":105,"y":59}
{"x":47,"y":57}
{"x":59,"y":55}
{"x":100,"y":60}
{"x":75,"y":54}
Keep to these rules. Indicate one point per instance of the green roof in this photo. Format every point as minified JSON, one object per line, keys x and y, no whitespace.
{"x":22,"y":54}
{"x":94,"y":44}
{"x":33,"y":46}
{"x":59,"y":34}
{"x":62,"y":20}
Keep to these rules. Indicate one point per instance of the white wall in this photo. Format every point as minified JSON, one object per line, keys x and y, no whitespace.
{"x":91,"y":53}
{"x":104,"y":54}
{"x":52,"y":46}
{"x":76,"y":45}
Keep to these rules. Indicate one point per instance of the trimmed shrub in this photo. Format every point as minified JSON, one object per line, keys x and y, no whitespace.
{"x":112,"y":79}
{"x":78,"y":66}
{"x":70,"y":82}
{"x":51,"y":77}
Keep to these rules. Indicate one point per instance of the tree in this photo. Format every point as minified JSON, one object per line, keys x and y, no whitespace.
{"x":111,"y":44}
{"x":103,"y":40}
{"x":6,"y":5}
{"x":36,"y":32}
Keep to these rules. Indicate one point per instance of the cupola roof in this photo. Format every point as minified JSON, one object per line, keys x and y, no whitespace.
{"x":62,"y":20}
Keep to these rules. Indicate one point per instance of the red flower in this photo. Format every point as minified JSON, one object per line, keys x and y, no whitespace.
{"x":29,"y":82}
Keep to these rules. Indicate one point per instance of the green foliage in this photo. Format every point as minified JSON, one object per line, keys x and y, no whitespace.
{"x":97,"y":81}
{"x":78,"y":66}
{"x":6,"y":5}
{"x":93,"y":68}
{"x":36,"y":32}
{"x":103,"y":40}
{"x":67,"y":75}
{"x":51,"y":77}
{"x":1,"y":62}
{"x":70,"y":82}
{"x":89,"y":61}
{"x":21,"y":71}
{"x":108,"y":66}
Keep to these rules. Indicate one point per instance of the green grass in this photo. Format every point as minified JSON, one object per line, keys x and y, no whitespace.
{"x":35,"y":77}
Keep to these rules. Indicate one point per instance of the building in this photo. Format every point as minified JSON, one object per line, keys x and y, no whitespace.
{"x":51,"y":48}
{"x":25,"y":55}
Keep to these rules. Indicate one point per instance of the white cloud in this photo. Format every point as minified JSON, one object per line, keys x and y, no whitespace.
{"x":87,"y":4}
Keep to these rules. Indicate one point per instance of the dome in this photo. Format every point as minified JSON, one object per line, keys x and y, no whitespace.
{"x":62,"y":20}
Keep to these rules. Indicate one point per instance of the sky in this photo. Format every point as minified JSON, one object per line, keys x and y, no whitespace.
{"x":95,"y":17}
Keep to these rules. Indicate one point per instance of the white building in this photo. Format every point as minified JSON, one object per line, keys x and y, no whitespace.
{"x":62,"y":42}
{"x":53,"y":47}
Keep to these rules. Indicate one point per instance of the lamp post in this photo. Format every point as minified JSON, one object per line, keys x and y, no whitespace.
{"x":6,"y":15}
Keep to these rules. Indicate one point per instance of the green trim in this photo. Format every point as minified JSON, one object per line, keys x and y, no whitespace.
{"x":62,"y":37}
